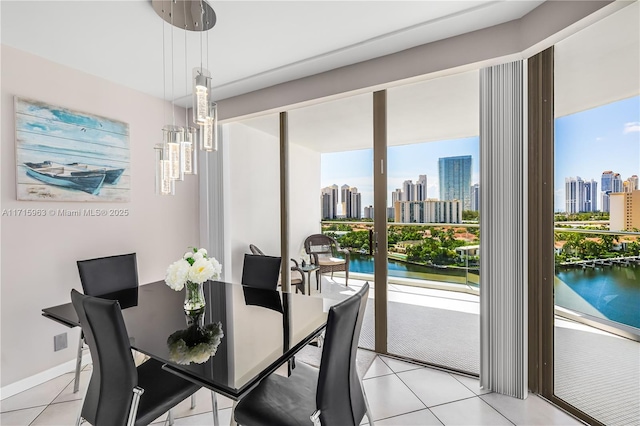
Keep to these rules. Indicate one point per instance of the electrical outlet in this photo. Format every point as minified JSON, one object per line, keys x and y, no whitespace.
{"x":59,"y":342}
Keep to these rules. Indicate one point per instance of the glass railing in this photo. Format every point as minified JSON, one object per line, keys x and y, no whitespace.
{"x":597,"y":274}
{"x":597,"y":277}
{"x":421,"y":255}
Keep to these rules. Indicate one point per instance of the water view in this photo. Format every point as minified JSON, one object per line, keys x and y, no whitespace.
{"x":612,"y":291}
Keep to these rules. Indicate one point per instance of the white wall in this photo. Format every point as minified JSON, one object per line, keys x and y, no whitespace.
{"x":254,"y":185}
{"x":38,"y":254}
{"x":305,"y":208}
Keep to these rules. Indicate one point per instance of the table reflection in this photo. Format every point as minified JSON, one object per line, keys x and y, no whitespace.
{"x":197,"y":343}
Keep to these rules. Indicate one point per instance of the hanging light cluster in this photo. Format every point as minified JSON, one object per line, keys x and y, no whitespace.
{"x":177,"y":155}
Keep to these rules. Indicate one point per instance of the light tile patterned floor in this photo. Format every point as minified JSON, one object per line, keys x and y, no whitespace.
{"x":399,"y":393}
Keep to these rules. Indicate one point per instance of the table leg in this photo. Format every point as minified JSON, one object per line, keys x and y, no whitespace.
{"x":214,"y":406}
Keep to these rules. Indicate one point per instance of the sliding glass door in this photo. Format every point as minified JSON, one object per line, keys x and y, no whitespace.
{"x":331,"y":193}
{"x":597,"y":219}
{"x":433,"y":233}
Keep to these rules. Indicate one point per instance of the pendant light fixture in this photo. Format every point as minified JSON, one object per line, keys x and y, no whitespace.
{"x":177,"y":154}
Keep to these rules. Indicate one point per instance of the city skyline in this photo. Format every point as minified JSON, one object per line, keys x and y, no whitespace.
{"x":405,"y":162}
{"x":591,"y":142}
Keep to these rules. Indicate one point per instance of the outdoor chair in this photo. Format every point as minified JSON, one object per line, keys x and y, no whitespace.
{"x":324,"y":251}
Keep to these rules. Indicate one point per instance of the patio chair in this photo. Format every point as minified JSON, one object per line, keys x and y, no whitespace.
{"x":324,"y":252}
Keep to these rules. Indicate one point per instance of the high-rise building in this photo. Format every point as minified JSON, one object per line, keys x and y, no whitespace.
{"x":408,"y":191}
{"x":605,"y":181}
{"x":391,"y":213}
{"x":345,"y":197}
{"x":475,"y":197}
{"x":421,"y":188}
{"x":454,"y":174}
{"x":580,"y":195}
{"x":329,"y":197}
{"x":396,"y":196}
{"x":368,"y":212}
{"x":631,"y":184}
{"x":616,"y":183}
{"x":625,"y":211}
{"x":355,"y":211}
{"x":573,"y":194}
{"x":590,"y":196}
{"x":610,"y":183}
{"x":428,"y":211}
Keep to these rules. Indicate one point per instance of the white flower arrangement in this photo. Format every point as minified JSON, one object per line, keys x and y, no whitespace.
{"x":195,"y":266}
{"x":195,"y":344}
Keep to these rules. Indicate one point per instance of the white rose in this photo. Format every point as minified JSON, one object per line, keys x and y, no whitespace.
{"x":217,"y":268}
{"x":201,"y":271}
{"x":203,"y":252}
{"x":187,"y":255}
{"x":197,"y":256}
{"x":177,"y":274}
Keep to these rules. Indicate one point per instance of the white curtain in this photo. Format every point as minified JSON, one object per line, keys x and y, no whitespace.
{"x":503,"y":264}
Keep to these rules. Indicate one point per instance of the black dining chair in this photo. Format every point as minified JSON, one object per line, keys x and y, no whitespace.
{"x":120,"y":393}
{"x":260,"y":271}
{"x":297,"y":277}
{"x":102,"y":276}
{"x":331,"y":395}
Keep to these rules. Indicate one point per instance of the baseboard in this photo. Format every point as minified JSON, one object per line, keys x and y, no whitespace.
{"x":44,"y":376}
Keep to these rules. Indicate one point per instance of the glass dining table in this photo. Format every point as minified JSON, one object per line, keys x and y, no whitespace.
{"x":248,"y":332}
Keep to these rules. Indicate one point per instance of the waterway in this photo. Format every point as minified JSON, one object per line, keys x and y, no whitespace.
{"x":614,"y":291}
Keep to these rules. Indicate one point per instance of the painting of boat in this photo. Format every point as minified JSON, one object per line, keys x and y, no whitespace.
{"x":86,"y":181}
{"x":111,"y":175}
{"x":67,"y":155}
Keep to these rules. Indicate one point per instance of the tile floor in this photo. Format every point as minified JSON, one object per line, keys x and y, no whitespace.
{"x":399,"y":393}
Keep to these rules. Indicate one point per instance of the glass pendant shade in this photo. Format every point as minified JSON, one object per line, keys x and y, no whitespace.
{"x":190,"y":151}
{"x":201,"y":95}
{"x":209,"y":131}
{"x":213,"y":109}
{"x":172,"y":138}
{"x":164,"y":185}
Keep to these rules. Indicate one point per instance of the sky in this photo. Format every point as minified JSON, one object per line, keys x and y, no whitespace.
{"x":405,"y":162}
{"x":592,"y":141}
{"x":586,"y":144}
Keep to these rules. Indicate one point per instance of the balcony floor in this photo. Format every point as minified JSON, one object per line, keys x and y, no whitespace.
{"x":597,"y":372}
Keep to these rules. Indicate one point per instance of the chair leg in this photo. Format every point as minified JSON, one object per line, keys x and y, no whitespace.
{"x":193,"y":401}
{"x":76,"y":380}
{"x":214,"y":406}
{"x":169,"y":420}
{"x":366,"y":403}
{"x":133,"y":410}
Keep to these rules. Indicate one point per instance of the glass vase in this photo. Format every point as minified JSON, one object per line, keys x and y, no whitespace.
{"x":194,"y":301}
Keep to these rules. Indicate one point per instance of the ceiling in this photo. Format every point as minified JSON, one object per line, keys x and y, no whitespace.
{"x":595,"y":66}
{"x":255,"y":44}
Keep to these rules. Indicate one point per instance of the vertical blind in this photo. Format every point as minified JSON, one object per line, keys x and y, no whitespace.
{"x":503,"y":263}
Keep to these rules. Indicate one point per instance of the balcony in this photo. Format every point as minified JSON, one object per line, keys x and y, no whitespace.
{"x":433,"y":314}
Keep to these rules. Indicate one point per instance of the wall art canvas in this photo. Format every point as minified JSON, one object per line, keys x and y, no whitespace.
{"x":65,"y":155}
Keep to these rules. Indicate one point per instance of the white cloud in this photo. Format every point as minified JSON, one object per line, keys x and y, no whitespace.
{"x":633,"y":126}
